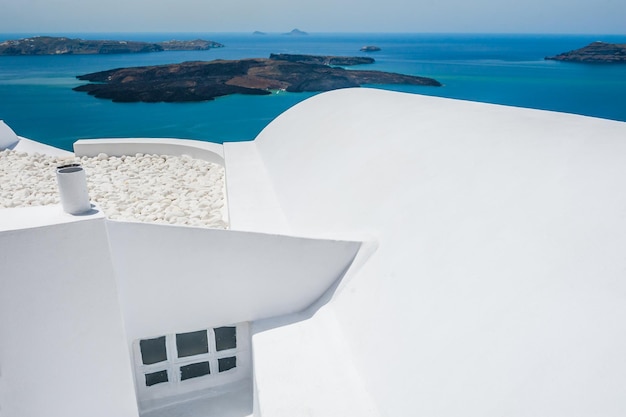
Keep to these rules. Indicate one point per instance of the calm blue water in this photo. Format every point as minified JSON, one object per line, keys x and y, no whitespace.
{"x":37,"y":101}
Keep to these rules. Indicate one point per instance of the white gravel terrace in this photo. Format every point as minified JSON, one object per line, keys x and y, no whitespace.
{"x":146,"y":188}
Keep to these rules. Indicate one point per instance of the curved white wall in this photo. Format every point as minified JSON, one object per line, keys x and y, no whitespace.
{"x":497,"y":287}
{"x":211,"y":152}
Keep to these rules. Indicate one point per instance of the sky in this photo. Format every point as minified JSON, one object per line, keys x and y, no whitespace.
{"x":416,"y":16}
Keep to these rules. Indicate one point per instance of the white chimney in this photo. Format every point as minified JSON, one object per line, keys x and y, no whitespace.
{"x":73,"y":189}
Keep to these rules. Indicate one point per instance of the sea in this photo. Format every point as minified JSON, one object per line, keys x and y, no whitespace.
{"x":37,"y":100}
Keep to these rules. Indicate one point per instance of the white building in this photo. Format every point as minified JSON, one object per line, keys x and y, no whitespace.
{"x":388,"y":254}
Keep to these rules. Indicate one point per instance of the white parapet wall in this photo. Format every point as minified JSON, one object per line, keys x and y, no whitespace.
{"x":211,"y":152}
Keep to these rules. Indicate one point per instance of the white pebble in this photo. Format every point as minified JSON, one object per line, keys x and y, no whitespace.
{"x":151,"y":188}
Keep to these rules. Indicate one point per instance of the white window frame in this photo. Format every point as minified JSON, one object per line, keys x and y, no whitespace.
{"x":175,"y":386}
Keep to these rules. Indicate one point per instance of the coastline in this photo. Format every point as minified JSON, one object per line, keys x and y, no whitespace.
{"x":500,"y":69}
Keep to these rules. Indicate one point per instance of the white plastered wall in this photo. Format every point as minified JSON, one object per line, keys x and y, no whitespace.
{"x":177,"y":279}
{"x":63,"y":349}
{"x":180,"y":279}
{"x":497,"y":286}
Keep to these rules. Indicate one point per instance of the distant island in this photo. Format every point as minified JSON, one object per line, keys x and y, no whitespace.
{"x":370,"y":48}
{"x":50,"y":45}
{"x":200,"y":81}
{"x":324,"y":59}
{"x":601,"y":52}
{"x":258,"y":32}
{"x":296,"y":32}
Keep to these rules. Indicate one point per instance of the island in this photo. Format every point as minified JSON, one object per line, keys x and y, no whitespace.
{"x":324,"y":59}
{"x":206,"y":80}
{"x":296,"y":32}
{"x":370,"y":48}
{"x":600,"y":52}
{"x":51,"y":45}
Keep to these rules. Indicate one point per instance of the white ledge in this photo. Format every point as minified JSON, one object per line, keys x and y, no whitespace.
{"x":39,"y":216}
{"x":207,"y":151}
{"x":31,"y":147}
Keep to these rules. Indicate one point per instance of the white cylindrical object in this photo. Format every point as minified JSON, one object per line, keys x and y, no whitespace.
{"x":73,"y":189}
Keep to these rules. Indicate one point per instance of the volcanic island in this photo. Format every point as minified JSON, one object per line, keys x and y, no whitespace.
{"x":55,"y":45}
{"x":595,"y":52}
{"x":206,"y":80}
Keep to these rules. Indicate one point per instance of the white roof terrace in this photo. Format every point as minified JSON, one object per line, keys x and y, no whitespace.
{"x":434,"y":257}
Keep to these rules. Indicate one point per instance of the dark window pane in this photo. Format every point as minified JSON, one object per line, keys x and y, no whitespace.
{"x":153,"y":350}
{"x":194,"y":343}
{"x":194,"y":370}
{"x":225,"y":338}
{"x":156,"y":378}
{"x":227,"y":363}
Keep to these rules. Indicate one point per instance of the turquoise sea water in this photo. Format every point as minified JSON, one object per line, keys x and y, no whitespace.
{"x":37,"y":101}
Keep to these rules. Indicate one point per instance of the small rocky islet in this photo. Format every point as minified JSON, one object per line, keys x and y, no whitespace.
{"x":595,"y":52}
{"x":206,"y":80}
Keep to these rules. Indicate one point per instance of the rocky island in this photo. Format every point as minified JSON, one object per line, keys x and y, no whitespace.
{"x":601,"y":52}
{"x":50,"y":45}
{"x":296,"y":32}
{"x":205,"y":80}
{"x":324,"y":59}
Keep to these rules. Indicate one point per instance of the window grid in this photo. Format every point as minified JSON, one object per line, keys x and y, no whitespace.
{"x":179,"y":369}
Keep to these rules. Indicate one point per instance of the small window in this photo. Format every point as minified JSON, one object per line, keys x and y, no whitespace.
{"x":194,"y":343}
{"x":183,"y":362}
{"x":153,"y":350}
{"x":225,"y":338}
{"x":156,"y":378}
{"x":227,"y":363}
{"x":194,"y":370}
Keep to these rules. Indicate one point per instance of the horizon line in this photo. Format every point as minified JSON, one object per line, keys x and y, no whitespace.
{"x":305,"y":33}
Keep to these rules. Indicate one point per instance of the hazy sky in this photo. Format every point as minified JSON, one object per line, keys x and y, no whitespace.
{"x":492,"y":16}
